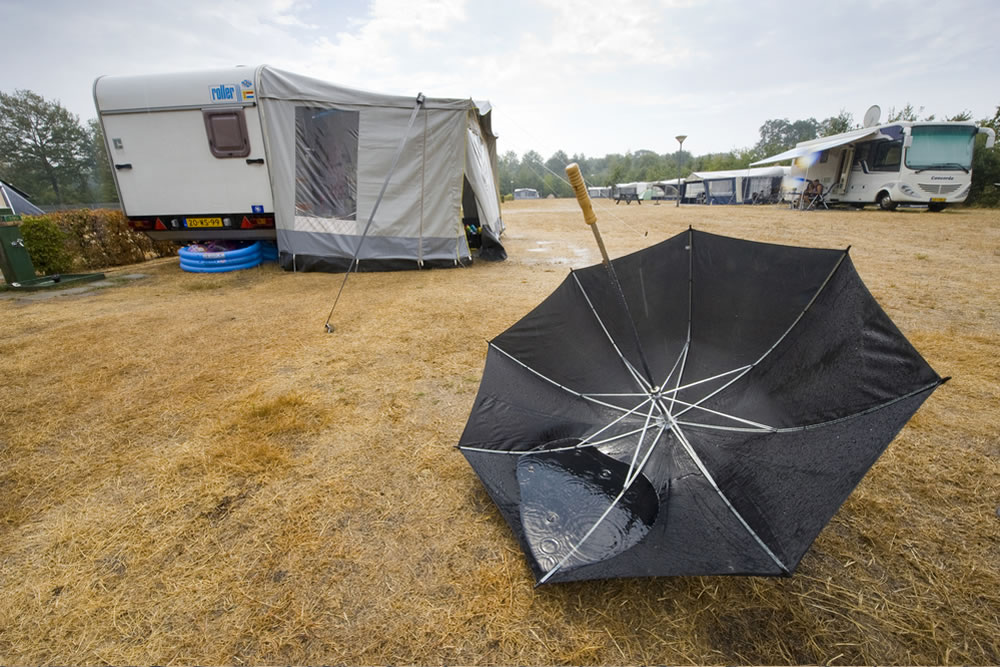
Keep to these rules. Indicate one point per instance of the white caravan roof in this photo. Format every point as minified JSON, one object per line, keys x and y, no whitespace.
{"x":759,"y":172}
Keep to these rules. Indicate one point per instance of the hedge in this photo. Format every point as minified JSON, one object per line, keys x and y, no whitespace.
{"x":85,"y":239}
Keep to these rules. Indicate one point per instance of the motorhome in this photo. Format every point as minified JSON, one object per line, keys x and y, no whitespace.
{"x":904,"y":162}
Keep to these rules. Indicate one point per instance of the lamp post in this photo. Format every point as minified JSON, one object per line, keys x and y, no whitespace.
{"x":680,"y":155}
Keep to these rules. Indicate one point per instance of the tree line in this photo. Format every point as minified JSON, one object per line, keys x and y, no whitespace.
{"x":46,"y":152}
{"x":776,"y":135}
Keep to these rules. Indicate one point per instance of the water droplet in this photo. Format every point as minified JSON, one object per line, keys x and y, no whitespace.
{"x":549,"y":546}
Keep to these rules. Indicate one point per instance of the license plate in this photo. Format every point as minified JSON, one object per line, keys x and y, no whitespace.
{"x":938,"y":199}
{"x":204,"y":222}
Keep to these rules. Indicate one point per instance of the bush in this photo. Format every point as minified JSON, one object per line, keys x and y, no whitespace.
{"x":84,"y":239}
{"x":46,"y":245}
{"x":985,"y":175}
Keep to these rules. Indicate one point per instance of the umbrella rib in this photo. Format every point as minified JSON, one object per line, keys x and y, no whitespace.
{"x":739,"y":429}
{"x":675,"y":427}
{"x":586,"y":441}
{"x":527,"y":452}
{"x":866,"y":411}
{"x":687,"y":342}
{"x":710,"y":379}
{"x":750,"y":367}
{"x":683,"y":353}
{"x":585,"y":397}
{"x":757,"y":425}
{"x":641,"y":381}
{"x":635,"y":453}
{"x":621,"y":494}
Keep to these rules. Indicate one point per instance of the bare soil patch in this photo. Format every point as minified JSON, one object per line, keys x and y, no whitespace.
{"x":193,"y":471}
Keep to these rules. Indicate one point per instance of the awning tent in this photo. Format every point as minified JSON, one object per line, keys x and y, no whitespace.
{"x":733,"y":186}
{"x":331,"y":149}
{"x":819,"y":145}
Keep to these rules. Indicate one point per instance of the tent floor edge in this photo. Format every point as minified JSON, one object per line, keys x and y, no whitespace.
{"x":324,"y":264}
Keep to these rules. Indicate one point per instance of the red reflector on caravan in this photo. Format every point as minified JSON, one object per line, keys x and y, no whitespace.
{"x":159,"y":225}
{"x":246,"y":223}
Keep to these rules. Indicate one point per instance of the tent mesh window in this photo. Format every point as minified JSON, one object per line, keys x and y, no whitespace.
{"x":326,"y":163}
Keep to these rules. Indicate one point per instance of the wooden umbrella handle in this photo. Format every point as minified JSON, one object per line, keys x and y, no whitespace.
{"x":580,"y":188}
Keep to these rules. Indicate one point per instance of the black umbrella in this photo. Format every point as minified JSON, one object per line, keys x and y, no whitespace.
{"x":708,"y":418}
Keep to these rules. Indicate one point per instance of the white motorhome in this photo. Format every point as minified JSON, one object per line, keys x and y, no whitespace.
{"x":905,"y":162}
{"x":333,"y":174}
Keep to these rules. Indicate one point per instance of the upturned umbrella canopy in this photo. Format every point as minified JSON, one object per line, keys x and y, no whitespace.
{"x":710,"y":418}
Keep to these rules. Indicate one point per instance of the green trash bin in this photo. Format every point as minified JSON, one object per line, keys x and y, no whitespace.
{"x":14,"y":258}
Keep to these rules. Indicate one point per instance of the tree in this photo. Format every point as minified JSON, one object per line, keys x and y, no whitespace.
{"x":780,"y":134}
{"x":529,"y":172}
{"x":842,"y":122}
{"x":906,"y":113}
{"x":103,"y":181}
{"x":44,"y":148}
{"x":507,"y":167}
{"x":986,"y":167}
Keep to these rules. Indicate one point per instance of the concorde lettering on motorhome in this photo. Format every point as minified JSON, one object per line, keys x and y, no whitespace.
{"x":905,"y":162}
{"x":326,"y":171}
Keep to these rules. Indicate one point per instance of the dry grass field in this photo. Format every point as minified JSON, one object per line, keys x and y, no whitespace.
{"x":193,"y":471}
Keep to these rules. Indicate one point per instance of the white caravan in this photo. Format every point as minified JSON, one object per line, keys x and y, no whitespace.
{"x":260,"y":153}
{"x":906,"y":162}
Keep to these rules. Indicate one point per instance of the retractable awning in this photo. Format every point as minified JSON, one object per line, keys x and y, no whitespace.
{"x":819,"y":145}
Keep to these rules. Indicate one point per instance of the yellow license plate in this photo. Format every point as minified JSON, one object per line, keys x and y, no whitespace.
{"x":938,"y":199}
{"x":204,"y":222}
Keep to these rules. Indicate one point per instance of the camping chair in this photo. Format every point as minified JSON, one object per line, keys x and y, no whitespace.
{"x":813,"y":196}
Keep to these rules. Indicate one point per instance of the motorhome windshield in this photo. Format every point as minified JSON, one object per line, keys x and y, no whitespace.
{"x":941,"y":147}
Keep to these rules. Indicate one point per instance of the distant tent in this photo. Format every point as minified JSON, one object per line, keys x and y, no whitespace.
{"x":17,"y":201}
{"x":525,"y":193}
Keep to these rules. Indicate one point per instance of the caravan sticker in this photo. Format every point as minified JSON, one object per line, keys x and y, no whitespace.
{"x":224,"y":92}
{"x":247,"y":90}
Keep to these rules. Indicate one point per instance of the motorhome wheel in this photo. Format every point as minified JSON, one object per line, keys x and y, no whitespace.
{"x":885,"y":202}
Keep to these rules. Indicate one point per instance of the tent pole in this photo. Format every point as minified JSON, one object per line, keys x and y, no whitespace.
{"x":385,"y":184}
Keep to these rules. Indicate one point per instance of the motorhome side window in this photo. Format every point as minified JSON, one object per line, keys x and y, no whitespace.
{"x":861,"y":154}
{"x":227,"y":132}
{"x":886,"y":156}
{"x":326,"y":163}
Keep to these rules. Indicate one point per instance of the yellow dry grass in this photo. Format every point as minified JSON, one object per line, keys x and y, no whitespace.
{"x":193,"y":471}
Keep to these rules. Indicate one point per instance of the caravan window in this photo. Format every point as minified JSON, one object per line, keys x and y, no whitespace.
{"x":227,"y":132}
{"x":326,"y":162}
{"x":721,"y":188}
{"x":886,"y":155}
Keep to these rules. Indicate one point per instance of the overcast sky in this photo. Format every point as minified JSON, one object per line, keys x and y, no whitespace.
{"x":584,"y":76}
